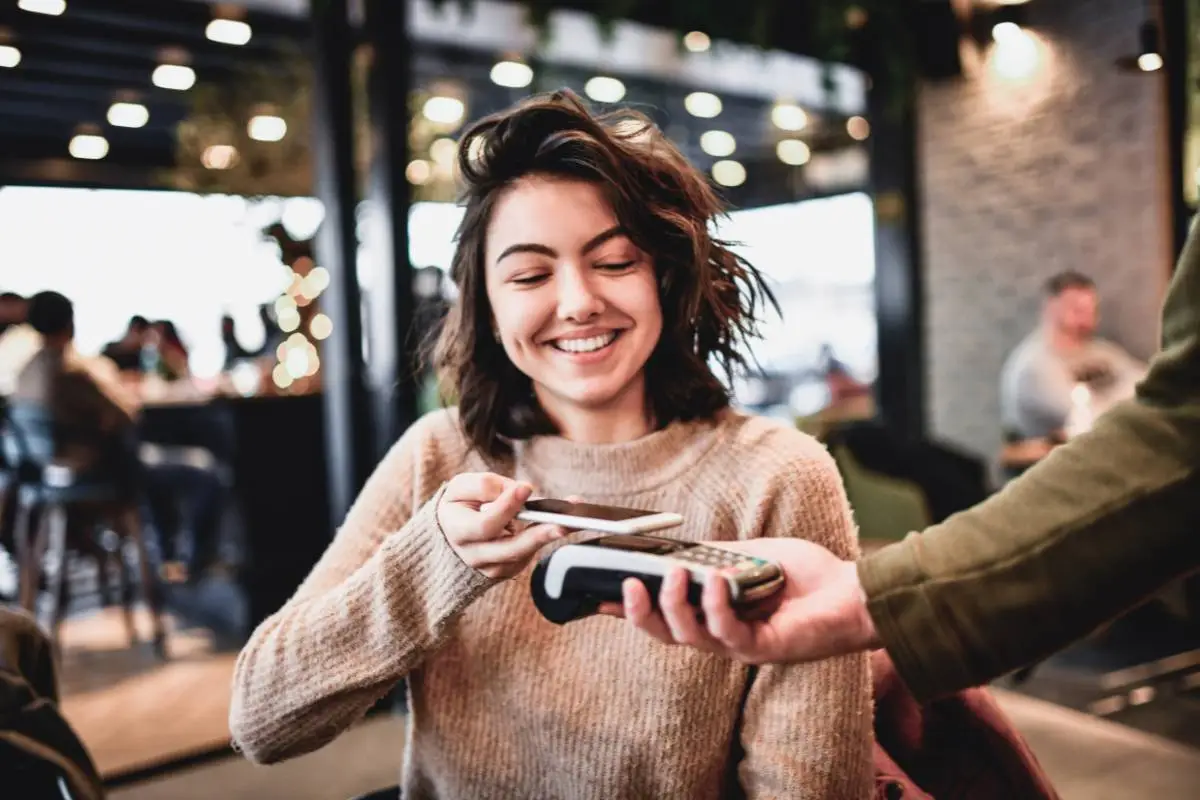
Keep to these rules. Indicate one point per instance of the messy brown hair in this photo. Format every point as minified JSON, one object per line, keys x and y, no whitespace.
{"x":709,"y":296}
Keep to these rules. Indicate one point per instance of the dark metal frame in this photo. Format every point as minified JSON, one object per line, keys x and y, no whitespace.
{"x":1176,"y":28}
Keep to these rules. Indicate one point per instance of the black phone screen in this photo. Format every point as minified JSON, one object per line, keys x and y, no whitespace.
{"x":608,"y":513}
{"x":642,"y":544}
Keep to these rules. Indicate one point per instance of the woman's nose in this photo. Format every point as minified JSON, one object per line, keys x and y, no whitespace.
{"x":578,"y":300}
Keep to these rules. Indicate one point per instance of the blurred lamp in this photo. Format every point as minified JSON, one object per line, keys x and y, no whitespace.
{"x":174,"y":76}
{"x":729,"y":173}
{"x":219,"y":156}
{"x":697,"y":41}
{"x":702,"y":104}
{"x":1149,"y":58}
{"x":443,"y":109}
{"x":88,"y":146}
{"x":228,"y":31}
{"x":51,"y":7}
{"x":320,"y":327}
{"x":128,"y":115}
{"x":512,"y":74}
{"x":418,"y":172}
{"x":266,"y":128}
{"x":858,"y":128}
{"x":793,"y":152}
{"x":789,"y":117}
{"x":718,"y":143}
{"x":603,"y":89}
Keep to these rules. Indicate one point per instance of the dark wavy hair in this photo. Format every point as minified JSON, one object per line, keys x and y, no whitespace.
{"x":709,"y":296}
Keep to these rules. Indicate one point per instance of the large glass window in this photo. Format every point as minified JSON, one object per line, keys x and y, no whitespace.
{"x":164,"y":255}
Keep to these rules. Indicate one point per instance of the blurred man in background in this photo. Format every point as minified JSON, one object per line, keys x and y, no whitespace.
{"x":1040,"y":384}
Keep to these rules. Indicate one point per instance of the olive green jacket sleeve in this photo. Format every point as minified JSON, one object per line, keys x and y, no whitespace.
{"x":1101,"y":524}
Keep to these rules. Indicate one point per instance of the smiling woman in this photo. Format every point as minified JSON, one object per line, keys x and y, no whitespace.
{"x":579,"y":317}
{"x":634,"y":260}
{"x":592,"y":300}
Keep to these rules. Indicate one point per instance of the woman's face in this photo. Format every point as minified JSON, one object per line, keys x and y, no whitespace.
{"x":574,"y":302}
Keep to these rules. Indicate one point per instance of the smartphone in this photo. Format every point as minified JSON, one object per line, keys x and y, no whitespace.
{"x":592,"y":517}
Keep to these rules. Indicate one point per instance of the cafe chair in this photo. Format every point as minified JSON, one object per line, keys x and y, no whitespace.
{"x":49,"y":496}
{"x":885,"y":508}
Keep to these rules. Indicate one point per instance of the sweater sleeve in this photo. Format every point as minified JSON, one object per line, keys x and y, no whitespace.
{"x":376,"y":604}
{"x":807,"y":728}
{"x":1089,"y":532}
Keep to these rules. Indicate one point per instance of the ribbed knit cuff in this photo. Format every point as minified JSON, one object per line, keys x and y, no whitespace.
{"x":926,"y":653}
{"x":434,"y":574}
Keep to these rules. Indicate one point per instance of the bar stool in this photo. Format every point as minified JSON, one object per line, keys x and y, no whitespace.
{"x":51,"y":492}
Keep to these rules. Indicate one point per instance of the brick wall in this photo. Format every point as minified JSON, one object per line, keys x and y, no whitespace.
{"x":1023,"y":176}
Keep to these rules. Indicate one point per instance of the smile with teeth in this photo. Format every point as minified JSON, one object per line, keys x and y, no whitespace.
{"x":588,"y":345}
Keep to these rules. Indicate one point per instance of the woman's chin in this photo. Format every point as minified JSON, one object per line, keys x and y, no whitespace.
{"x":590,"y":396}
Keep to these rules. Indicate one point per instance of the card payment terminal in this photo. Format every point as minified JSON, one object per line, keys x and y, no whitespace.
{"x":571,"y":582}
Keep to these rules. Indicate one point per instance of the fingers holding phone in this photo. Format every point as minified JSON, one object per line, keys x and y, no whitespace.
{"x":477,"y":513}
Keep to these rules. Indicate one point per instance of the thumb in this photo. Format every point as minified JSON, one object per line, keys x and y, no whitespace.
{"x":498,"y":513}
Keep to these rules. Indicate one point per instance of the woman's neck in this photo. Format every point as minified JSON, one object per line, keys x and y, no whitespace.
{"x":624,"y":419}
{"x":561,"y":466}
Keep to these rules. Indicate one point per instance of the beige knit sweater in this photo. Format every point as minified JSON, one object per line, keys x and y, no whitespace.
{"x":503,"y":704}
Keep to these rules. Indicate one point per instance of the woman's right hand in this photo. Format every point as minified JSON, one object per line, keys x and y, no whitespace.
{"x":477,"y":513}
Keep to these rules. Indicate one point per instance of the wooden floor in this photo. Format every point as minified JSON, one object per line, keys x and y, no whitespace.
{"x":133,"y":710}
{"x":1087,"y":759}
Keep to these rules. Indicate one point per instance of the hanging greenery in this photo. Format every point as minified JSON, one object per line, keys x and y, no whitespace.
{"x":216,"y":153}
{"x":837,"y":31}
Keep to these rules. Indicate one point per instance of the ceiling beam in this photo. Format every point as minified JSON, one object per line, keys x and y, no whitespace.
{"x":52,"y":171}
{"x":20,"y":113}
{"x":168,"y":18}
{"x":147,"y":48}
{"x":33,"y":83}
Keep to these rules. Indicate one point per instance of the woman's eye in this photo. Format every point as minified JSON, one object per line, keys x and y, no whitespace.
{"x":616,"y":266}
{"x":529,"y":280}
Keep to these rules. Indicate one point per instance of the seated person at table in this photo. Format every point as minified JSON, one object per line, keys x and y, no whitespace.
{"x":99,"y":415}
{"x":18,"y":340}
{"x":96,"y":411}
{"x":126,"y":352}
{"x":1042,"y":381}
{"x":592,"y":304}
{"x":172,"y":352}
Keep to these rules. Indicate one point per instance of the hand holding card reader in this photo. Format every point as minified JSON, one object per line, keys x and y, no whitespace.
{"x":571,"y":582}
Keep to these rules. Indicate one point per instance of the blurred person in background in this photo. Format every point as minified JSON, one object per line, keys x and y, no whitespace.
{"x":14,"y":311}
{"x":18,"y":340}
{"x":1042,"y":380}
{"x":128,"y":351}
{"x":172,"y":352}
{"x":98,"y":412}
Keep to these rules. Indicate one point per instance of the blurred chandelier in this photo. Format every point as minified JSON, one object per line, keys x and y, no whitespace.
{"x":220,"y":149}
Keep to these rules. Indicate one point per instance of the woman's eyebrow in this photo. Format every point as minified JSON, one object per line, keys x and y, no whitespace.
{"x":544,"y":250}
